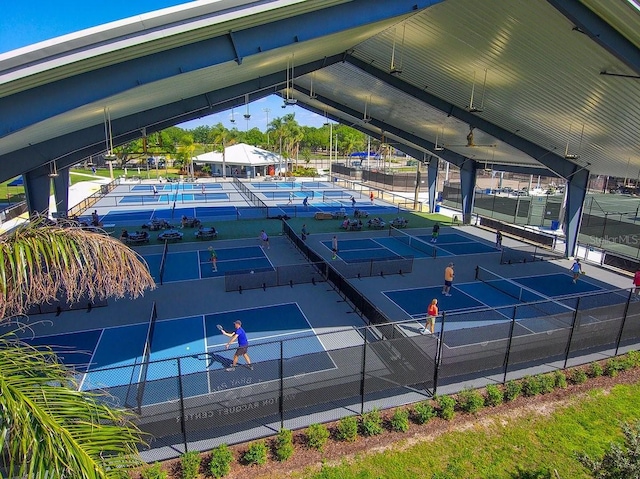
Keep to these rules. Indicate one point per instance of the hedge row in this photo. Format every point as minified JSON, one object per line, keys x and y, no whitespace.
{"x":348,"y":429}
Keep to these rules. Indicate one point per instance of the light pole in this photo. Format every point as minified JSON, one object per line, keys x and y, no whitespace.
{"x":267,"y":110}
{"x":330,"y":145}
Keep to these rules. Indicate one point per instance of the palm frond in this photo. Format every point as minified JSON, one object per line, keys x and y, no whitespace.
{"x":49,"y":427}
{"x":40,"y":264}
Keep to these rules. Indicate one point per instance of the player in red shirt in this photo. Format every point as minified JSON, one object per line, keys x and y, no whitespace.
{"x":636,"y":283}
{"x":432,"y":313}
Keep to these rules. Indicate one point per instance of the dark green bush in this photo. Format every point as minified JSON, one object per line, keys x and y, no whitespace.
{"x":470,"y":401}
{"x":512,"y":390}
{"x":154,"y":472}
{"x":595,"y":370}
{"x":619,"y":461}
{"x":531,"y":386}
{"x":634,"y":358}
{"x":347,"y":429}
{"x":612,"y":367}
{"x":547,"y":383}
{"x":400,"y":420}
{"x":447,"y":407}
{"x":578,"y":376}
{"x":283,"y":447}
{"x":317,"y":436}
{"x":494,"y":395}
{"x":372,"y":423}
{"x":256,"y":454}
{"x":190,"y":464}
{"x":220,"y":462}
{"x":560,"y":379}
{"x":423,"y":412}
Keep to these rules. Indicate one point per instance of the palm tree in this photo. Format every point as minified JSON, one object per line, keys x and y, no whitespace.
{"x":48,"y":428}
{"x":223,"y":138}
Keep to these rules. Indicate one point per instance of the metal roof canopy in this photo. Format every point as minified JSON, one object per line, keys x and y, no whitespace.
{"x":544,"y":94}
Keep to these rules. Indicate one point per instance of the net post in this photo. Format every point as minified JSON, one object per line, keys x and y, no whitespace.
{"x":362,"y":376}
{"x":573,"y":327}
{"x":183,"y":426}
{"x":506,"y":354}
{"x":281,"y":406}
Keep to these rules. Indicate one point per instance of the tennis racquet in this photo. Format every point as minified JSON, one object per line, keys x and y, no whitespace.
{"x":219,"y":326}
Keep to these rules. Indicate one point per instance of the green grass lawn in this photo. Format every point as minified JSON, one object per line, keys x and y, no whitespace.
{"x":528,"y":446}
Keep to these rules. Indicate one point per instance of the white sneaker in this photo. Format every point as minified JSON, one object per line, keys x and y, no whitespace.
{"x":447,"y":294}
{"x":231,"y":369}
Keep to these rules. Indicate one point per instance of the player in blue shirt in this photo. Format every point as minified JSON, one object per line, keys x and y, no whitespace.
{"x":243,"y":344}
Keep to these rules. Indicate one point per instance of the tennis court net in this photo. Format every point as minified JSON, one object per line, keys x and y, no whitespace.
{"x":532,"y":299}
{"x":412,"y":241}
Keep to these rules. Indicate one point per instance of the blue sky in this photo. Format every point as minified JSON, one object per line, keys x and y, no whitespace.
{"x":25,"y":22}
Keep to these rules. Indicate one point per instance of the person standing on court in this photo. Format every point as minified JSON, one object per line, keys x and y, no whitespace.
{"x":432,"y":313}
{"x":371,"y":197}
{"x":305,"y":233}
{"x":498,"y":239}
{"x":435,"y":232}
{"x":353,"y":202}
{"x":264,"y":238}
{"x":213,"y":257}
{"x":290,"y":198}
{"x":448,"y":279}
{"x":334,"y":247}
{"x":576,"y":269}
{"x":243,"y":345}
{"x":636,"y":284}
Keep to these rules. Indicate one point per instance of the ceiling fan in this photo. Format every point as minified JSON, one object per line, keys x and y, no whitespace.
{"x":470,"y":142}
{"x":289,"y":100}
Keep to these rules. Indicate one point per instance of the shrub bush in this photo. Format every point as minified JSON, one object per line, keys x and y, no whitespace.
{"x":256,"y":454}
{"x":512,"y":390}
{"x":560,"y":379}
{"x":612,"y":367}
{"x":400,"y":420}
{"x":372,"y":423}
{"x":619,"y":460}
{"x":447,"y":407}
{"x":283,"y":448}
{"x":547,"y":383}
{"x":423,"y":412}
{"x":154,"y":472}
{"x":578,"y":376}
{"x":220,"y":462}
{"x":531,"y":386}
{"x":317,"y":436}
{"x":595,"y":370}
{"x":190,"y":464}
{"x":347,"y":429}
{"x":470,"y":401}
{"x":494,"y":395}
{"x":634,"y":358}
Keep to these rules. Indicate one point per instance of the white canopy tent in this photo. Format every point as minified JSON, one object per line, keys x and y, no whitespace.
{"x":242,"y":160}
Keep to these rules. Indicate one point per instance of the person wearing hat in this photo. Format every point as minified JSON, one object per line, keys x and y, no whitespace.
{"x":448,"y":279}
{"x":243,"y":345}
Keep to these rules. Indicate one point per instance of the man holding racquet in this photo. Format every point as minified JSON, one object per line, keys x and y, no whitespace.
{"x":243,"y":344}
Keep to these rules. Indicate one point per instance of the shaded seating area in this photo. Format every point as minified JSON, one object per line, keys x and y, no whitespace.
{"x":399,"y":222}
{"x":360,"y":213}
{"x":156,"y":225}
{"x":137,"y":238}
{"x":376,"y":223}
{"x":206,"y":233}
{"x":186,"y":222}
{"x":341,"y":213}
{"x":170,"y":235}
